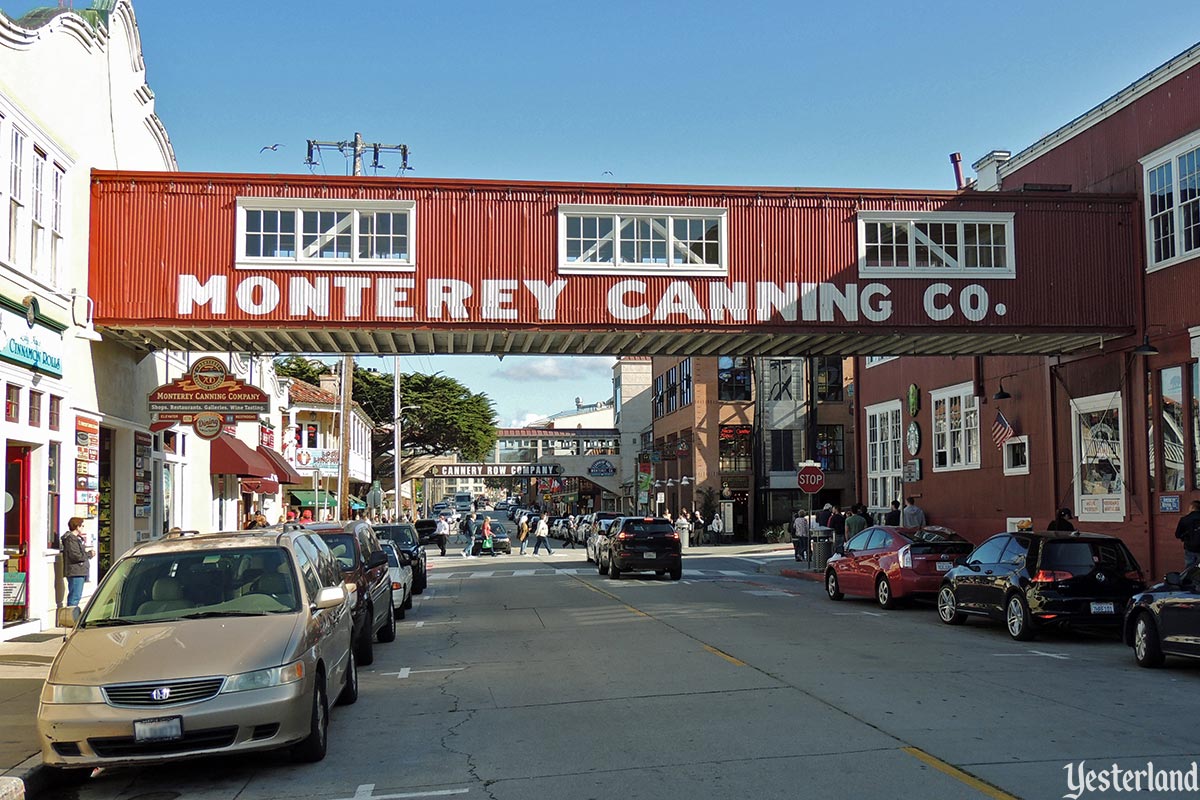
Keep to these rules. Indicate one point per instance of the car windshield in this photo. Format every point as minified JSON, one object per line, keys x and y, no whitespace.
{"x":404,"y":535}
{"x":1082,"y":556}
{"x":195,"y":583}
{"x":342,"y":545}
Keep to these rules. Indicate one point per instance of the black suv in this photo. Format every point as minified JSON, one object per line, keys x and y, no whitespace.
{"x":404,"y":536}
{"x":640,"y":544}
{"x":365,"y":565}
{"x":1029,"y":579}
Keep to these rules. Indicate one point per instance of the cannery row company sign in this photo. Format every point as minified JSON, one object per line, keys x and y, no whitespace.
{"x":495,"y":470}
{"x":208,"y":398}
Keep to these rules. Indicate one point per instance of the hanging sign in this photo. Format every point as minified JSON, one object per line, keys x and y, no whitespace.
{"x":208,"y":386}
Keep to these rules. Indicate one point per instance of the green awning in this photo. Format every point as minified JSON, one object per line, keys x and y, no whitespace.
{"x":312,"y":498}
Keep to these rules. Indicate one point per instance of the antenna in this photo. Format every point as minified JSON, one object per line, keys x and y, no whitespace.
{"x":357,"y":147}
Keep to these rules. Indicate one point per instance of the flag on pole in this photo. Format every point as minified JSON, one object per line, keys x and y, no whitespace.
{"x":1002,"y":430}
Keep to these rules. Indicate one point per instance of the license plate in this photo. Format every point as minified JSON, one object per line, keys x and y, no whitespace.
{"x":943,"y":566}
{"x":649,"y":555}
{"x":165,"y":729}
{"x":1103,"y":608}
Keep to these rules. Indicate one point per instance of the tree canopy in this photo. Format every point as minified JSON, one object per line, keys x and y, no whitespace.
{"x":301,"y":368}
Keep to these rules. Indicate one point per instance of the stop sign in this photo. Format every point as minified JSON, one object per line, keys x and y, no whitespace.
{"x":810,"y":479}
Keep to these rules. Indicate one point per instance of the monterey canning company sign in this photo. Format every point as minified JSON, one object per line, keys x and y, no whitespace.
{"x":208,"y":388}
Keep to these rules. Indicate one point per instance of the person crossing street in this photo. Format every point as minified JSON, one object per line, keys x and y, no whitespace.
{"x":542,"y":535}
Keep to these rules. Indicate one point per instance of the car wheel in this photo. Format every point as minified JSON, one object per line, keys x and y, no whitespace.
{"x":947,"y":607}
{"x":365,"y":650}
{"x":397,"y":612}
{"x":676,"y":573}
{"x":1017,"y":619}
{"x":312,"y":749}
{"x":388,"y":632}
{"x":614,"y":571}
{"x":587,"y":554}
{"x":883,"y":593}
{"x":408,"y":600}
{"x":831,"y":586}
{"x":349,"y":691}
{"x":1147,"y":649}
{"x":599,"y":565}
{"x":419,"y":584}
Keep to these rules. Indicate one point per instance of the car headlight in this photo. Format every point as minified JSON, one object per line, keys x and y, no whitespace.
{"x":265,"y":678}
{"x":71,"y":695}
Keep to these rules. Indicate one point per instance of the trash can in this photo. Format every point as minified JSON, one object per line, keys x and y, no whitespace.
{"x":821,"y":547}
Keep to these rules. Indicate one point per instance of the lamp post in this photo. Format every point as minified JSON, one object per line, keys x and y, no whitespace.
{"x":399,"y":452}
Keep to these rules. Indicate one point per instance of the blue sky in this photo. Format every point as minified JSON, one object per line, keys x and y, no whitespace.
{"x":864,"y":94}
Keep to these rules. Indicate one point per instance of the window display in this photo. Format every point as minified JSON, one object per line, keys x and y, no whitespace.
{"x":1099,"y":458}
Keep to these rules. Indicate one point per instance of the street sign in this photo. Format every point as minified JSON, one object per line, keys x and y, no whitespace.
{"x":810,"y":479}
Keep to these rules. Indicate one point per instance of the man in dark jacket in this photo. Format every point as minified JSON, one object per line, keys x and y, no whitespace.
{"x":75,"y":560}
{"x":893,"y":516}
{"x":1188,"y":532}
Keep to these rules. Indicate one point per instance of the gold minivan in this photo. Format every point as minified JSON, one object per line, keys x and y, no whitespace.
{"x":202,"y":644}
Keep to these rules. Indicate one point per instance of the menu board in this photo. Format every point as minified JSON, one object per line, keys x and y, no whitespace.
{"x":143,"y":445}
{"x":87,"y":464}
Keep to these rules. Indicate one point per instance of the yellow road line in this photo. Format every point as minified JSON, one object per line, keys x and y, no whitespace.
{"x":737,"y":662}
{"x":954,"y":772}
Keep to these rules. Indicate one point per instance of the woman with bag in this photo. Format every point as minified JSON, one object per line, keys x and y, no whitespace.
{"x":76,"y":556}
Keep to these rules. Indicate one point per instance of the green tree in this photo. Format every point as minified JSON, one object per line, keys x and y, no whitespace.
{"x":373,"y":391}
{"x":301,"y":368}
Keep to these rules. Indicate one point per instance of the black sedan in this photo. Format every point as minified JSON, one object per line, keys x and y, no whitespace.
{"x":404,"y":535}
{"x":500,"y":541}
{"x":1165,"y":619}
{"x":640,"y":544}
{"x":1028,"y":580}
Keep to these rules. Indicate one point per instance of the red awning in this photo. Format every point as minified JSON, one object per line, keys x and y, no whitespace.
{"x":284,"y":471}
{"x":260,"y":486}
{"x":228,"y":456}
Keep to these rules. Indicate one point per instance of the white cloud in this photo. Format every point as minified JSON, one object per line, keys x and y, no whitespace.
{"x":526,"y":420}
{"x":555,"y":368}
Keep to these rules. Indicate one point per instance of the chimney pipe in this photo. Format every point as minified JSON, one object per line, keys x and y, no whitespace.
{"x":956,"y":160}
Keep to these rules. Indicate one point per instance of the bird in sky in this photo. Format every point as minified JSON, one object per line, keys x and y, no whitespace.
{"x":275,"y":146}
{"x":607,"y":172}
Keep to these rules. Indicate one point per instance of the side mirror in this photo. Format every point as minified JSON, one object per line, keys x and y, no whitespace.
{"x":961,"y":561}
{"x":842,"y":550}
{"x":1173,"y":579}
{"x":377,"y":559}
{"x":974,"y":566}
{"x":331,"y":597}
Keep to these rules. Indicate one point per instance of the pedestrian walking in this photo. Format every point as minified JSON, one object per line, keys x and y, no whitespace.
{"x":683,"y":527}
{"x":717,"y":527}
{"x":489,"y":543}
{"x":857,"y":521}
{"x":1061,"y":521}
{"x":824,"y":514}
{"x":801,"y":535}
{"x":569,"y":539}
{"x":837,"y":521}
{"x":523,"y":532}
{"x":76,"y":556}
{"x":913,"y":516}
{"x":893,"y":516}
{"x":1188,"y":532}
{"x":542,"y":536}
{"x":469,"y":535}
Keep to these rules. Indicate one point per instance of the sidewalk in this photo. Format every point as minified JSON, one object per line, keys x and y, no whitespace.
{"x":24,"y":663}
{"x":790,"y":568}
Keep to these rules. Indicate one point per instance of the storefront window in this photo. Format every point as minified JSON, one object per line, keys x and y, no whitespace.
{"x":55,"y":412}
{"x":783,"y":458}
{"x":1171,"y":402}
{"x":53,"y":453}
{"x":884,"y":467}
{"x":829,"y":379}
{"x":733,"y":379}
{"x":308,"y":435}
{"x":831,"y":447}
{"x":735,"y":448}
{"x":1099,"y":461}
{"x":12,"y":403}
{"x":955,"y":428}
{"x":35,"y":409}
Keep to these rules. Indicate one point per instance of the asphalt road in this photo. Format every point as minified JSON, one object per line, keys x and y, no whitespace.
{"x":565,"y":684}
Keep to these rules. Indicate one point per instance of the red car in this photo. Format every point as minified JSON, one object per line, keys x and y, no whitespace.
{"x":890,"y":563}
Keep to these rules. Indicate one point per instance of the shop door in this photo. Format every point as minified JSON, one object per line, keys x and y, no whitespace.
{"x":104,"y":508}
{"x":16,"y":533}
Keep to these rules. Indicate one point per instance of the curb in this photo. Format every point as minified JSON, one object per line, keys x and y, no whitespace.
{"x":802,"y":575}
{"x":26,"y":780}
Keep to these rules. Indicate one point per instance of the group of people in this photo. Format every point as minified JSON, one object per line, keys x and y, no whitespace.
{"x":691,"y":527}
{"x":845,"y":526}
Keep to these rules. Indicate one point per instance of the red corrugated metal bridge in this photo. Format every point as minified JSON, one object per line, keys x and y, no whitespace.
{"x":321,"y":264}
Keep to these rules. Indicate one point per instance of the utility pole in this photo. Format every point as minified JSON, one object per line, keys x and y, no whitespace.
{"x":357,"y":148}
{"x":347,"y":385}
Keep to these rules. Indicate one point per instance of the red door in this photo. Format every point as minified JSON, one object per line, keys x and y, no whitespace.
{"x":16,"y":523}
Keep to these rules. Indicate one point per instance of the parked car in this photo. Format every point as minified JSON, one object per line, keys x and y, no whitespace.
{"x":1164,"y":620}
{"x":640,"y":544}
{"x":891,"y":563}
{"x":404,"y":536}
{"x":426,"y":530}
{"x":363,"y":564}
{"x":500,"y":539}
{"x":558,"y":527}
{"x":599,"y":516}
{"x":502,"y":505}
{"x":400,"y":570}
{"x":1028,"y":580}
{"x":591,"y":544}
{"x":198,"y":644}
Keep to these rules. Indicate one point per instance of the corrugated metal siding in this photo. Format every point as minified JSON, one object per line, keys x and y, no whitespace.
{"x":148,"y":228}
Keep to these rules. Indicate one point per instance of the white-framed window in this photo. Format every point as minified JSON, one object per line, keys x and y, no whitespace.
{"x":37,"y":197}
{"x":1096,"y":436}
{"x":1171,"y":182}
{"x":1016,"y":455}
{"x":874,"y":361}
{"x":955,"y":425}
{"x":16,"y":192}
{"x":685,"y":382}
{"x":642,"y":240}
{"x":934,"y":244}
{"x":57,"y":185}
{"x":884,"y":464}
{"x":281,"y":233}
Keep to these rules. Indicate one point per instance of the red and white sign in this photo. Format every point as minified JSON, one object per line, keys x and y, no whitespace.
{"x":810,"y":479}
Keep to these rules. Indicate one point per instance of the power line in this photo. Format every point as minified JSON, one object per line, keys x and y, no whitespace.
{"x":355,"y":149}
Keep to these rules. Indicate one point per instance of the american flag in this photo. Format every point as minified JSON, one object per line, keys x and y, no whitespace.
{"x":1002,"y":430}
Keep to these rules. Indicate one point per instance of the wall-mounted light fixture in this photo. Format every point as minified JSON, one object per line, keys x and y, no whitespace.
{"x":1145,"y":348}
